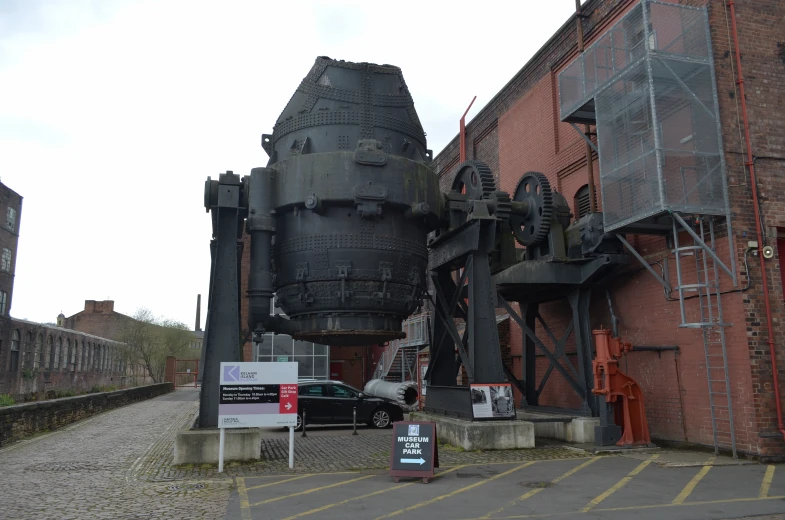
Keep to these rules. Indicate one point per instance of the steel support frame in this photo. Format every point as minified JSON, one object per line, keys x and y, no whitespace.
{"x":478,"y":350}
{"x":579,"y":379}
{"x":222,"y":331}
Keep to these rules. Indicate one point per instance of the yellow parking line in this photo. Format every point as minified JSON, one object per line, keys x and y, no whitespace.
{"x":694,"y":482}
{"x":245,"y":507}
{"x":620,"y":484}
{"x":276,"y":482}
{"x":453,"y":493}
{"x":342,"y":502}
{"x":635,"y":508}
{"x":311,"y":490}
{"x":537,"y":490}
{"x":766,"y":484}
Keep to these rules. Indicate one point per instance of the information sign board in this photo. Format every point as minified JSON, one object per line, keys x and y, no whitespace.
{"x":257,"y":395}
{"x":492,"y":401}
{"x":415,"y":450}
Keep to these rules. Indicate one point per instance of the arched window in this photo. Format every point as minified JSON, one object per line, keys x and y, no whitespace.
{"x":582,"y":201}
{"x":40,"y":351}
{"x":13,"y":365}
{"x":89,"y":357}
{"x":68,"y":364}
{"x":59,"y":361}
{"x":29,"y":357}
{"x":79,"y":355}
{"x":50,"y":352}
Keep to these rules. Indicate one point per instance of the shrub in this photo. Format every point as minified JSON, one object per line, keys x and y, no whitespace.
{"x":6,"y":400}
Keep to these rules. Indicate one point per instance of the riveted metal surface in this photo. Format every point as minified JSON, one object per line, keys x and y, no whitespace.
{"x":350,"y":267}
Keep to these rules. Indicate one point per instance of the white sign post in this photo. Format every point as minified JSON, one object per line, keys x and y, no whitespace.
{"x":256,"y":395}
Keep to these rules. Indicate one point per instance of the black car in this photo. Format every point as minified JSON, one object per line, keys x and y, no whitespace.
{"x":332,"y":402}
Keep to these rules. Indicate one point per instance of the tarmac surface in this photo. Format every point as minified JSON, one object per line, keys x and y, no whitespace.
{"x":118,"y":465}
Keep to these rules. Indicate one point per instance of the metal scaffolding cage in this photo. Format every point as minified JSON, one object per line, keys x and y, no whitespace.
{"x":648,"y":84}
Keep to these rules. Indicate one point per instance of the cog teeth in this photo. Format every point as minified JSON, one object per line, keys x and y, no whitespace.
{"x":544,"y":202}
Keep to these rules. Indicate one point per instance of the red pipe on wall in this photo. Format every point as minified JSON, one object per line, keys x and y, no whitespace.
{"x":749,"y":163}
{"x":462,"y":151}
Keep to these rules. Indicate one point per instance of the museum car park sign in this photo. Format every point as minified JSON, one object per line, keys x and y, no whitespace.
{"x":254,"y":395}
{"x":415,"y":450}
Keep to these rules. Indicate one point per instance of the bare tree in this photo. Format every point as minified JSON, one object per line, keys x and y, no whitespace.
{"x":150,"y":340}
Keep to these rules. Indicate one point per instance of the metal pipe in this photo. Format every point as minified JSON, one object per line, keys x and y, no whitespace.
{"x":586,"y":127}
{"x":261,"y":227}
{"x":754,"y":186}
{"x":405,"y":393}
{"x":462,"y":151}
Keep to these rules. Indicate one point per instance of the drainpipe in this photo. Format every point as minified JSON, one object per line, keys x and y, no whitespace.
{"x":749,"y":163}
{"x":586,"y":128}
{"x":462,"y":151}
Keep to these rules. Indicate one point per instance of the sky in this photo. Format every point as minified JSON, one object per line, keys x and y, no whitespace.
{"x":115,"y":112}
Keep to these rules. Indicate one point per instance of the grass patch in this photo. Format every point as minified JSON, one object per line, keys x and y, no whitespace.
{"x":6,"y":400}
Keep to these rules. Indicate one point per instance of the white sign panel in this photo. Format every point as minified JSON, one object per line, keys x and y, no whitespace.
{"x":257,"y":395}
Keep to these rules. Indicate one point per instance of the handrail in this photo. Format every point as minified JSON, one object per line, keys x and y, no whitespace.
{"x":416,"y":334}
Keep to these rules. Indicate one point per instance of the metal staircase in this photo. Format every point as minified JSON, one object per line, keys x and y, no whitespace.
{"x":398,"y":362}
{"x":710,"y":321}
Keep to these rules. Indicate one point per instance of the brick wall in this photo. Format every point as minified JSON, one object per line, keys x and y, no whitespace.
{"x":99,"y":319}
{"x":22,"y":420}
{"x":761,"y":31}
{"x":523,"y":120}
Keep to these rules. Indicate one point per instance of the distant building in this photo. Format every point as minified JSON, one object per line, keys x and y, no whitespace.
{"x":39,"y":359}
{"x":10,"y":213}
{"x":99,"y":318}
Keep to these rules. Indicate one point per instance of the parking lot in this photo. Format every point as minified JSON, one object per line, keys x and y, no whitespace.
{"x":643,"y":486}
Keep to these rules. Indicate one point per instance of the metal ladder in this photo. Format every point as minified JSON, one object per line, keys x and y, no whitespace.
{"x":712,"y":327}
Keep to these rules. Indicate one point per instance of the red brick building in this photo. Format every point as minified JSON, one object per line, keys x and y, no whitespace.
{"x":521,"y":130}
{"x":99,"y":318}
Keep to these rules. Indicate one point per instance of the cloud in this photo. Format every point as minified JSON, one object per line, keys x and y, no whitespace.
{"x":115,"y":112}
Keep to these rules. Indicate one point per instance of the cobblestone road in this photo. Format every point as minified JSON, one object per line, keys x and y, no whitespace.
{"x":108,"y":466}
{"x":118,"y":465}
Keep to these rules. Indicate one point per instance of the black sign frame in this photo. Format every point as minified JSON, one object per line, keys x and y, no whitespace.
{"x":426,"y":469}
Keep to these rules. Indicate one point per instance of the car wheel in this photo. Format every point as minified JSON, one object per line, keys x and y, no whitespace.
{"x":381,"y":418}
{"x":299,"y":422}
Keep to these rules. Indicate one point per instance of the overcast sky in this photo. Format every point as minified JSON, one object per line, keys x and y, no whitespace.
{"x":114,"y":113}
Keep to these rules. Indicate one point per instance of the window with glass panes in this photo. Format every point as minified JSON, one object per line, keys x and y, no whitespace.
{"x":312,"y":358}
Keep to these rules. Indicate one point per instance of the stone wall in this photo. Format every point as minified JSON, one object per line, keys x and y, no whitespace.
{"x":22,"y":420}
{"x":37,"y":359}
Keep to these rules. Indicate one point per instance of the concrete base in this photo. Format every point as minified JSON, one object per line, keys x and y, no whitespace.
{"x":201,"y":446}
{"x":480,"y":435}
{"x":562,"y":427}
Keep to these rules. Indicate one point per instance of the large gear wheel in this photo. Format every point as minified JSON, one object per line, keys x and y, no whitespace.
{"x":533,"y":228}
{"x":474,"y":179}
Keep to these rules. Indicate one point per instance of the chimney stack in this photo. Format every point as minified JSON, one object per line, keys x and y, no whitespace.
{"x":198,"y":327}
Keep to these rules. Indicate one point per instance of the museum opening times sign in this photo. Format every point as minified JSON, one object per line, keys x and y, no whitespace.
{"x":258,"y":395}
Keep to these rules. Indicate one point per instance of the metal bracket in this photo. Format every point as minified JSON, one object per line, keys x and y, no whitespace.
{"x":644,"y":263}
{"x":703,"y":244}
{"x":385,"y":268}
{"x":580,"y":132}
{"x":302,"y":274}
{"x":369,"y":198}
{"x":344,"y":268}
